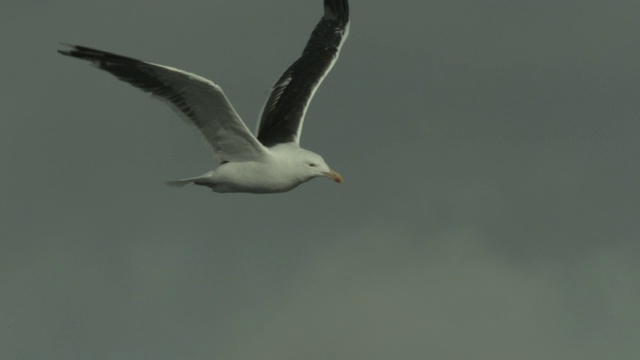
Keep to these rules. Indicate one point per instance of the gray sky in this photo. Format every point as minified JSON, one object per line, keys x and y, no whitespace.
{"x":489,"y":210}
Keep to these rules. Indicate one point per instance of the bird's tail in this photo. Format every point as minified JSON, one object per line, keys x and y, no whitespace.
{"x":182,"y":182}
{"x":198,"y":180}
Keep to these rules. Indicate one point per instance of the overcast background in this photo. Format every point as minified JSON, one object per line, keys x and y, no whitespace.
{"x":489,"y":210}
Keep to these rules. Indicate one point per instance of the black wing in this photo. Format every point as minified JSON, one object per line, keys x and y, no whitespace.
{"x":283,"y":114}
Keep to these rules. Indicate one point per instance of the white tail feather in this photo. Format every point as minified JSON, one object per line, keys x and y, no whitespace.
{"x":183,"y":182}
{"x":180,"y":183}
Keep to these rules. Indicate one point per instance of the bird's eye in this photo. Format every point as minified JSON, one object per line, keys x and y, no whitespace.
{"x":312,"y":165}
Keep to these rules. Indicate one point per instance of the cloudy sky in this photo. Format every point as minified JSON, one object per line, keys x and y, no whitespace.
{"x":489,"y":210}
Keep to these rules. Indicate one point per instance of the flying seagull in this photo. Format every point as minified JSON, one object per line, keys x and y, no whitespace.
{"x":270,"y":162}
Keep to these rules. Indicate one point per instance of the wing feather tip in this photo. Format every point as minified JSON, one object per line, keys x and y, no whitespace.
{"x":336,"y":10}
{"x":68,"y":52}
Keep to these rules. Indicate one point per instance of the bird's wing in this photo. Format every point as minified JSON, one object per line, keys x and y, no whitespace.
{"x":284,"y":111}
{"x":201,"y":102}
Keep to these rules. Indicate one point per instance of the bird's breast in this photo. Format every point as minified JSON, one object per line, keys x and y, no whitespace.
{"x":253,"y":177}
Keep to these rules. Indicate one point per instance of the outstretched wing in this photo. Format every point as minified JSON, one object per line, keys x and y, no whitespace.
{"x":284,"y":112}
{"x":202,"y":102}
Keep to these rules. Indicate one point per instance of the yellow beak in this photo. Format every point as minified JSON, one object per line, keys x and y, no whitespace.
{"x":333,"y":176}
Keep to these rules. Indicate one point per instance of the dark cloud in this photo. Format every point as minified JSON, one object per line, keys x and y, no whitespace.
{"x":488,"y":211}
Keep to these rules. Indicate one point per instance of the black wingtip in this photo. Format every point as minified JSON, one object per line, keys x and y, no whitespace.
{"x":66,"y":52}
{"x":94,"y":55}
{"x":337,"y":10}
{"x":80,"y":51}
{"x":75,"y":51}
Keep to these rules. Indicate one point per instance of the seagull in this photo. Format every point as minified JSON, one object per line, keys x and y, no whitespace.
{"x":271,"y":161}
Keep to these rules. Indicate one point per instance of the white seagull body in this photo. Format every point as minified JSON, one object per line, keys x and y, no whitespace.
{"x":270,"y":162}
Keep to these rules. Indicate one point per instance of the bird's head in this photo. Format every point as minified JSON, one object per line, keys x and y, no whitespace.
{"x":314,"y":166}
